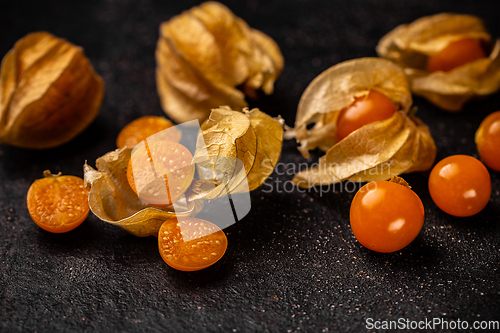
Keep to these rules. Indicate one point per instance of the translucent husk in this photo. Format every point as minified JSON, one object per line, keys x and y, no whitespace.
{"x":112,"y":199}
{"x":410,"y":45}
{"x":375,"y":151}
{"x":250,"y":136}
{"x":49,"y":92}
{"x":208,"y":57}
{"x":241,"y":134}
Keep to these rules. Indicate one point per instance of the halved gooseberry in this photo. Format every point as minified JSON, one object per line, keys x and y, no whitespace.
{"x":58,"y":203}
{"x":455,"y":54}
{"x":143,"y":127}
{"x":374,"y":106}
{"x":191,"y":244}
{"x":160,"y":172}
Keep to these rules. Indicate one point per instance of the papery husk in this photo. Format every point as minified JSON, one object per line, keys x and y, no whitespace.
{"x":244,"y":145}
{"x":410,"y":45}
{"x":335,"y":89}
{"x":251,"y":137}
{"x":205,"y":55}
{"x":269,"y":132}
{"x":49,"y":92}
{"x":216,"y":156}
{"x":112,"y":199}
{"x":376,"y":151}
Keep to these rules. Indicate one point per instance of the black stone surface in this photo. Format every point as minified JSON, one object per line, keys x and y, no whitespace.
{"x":292,"y":264}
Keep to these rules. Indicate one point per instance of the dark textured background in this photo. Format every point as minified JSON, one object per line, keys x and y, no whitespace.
{"x":292,"y":264}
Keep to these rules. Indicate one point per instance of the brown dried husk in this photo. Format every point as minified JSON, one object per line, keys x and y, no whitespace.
{"x":208,"y":57}
{"x":112,"y":199}
{"x":375,"y":151}
{"x":410,"y":45}
{"x":225,"y":135}
{"x":251,"y":137}
{"x":49,"y":92}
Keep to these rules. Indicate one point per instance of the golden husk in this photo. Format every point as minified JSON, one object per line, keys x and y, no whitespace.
{"x":49,"y":92}
{"x":375,"y":151}
{"x":112,"y":199}
{"x":410,"y":45}
{"x":251,"y":136}
{"x":205,"y":56}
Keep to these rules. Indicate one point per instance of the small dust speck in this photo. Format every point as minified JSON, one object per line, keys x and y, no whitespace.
{"x":316,"y":62}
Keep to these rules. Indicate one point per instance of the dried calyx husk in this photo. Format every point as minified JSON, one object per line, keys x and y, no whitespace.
{"x":112,"y":199}
{"x":243,"y":147}
{"x":249,"y":136}
{"x":49,"y":92}
{"x":376,"y":151}
{"x":410,"y":46}
{"x":207,"y":57}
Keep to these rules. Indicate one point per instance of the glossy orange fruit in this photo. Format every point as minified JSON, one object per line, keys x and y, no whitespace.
{"x":143,"y":127}
{"x":160,"y":172}
{"x":457,"y":53}
{"x":58,"y":203}
{"x":460,"y":185}
{"x":374,"y":106}
{"x":386,"y":216}
{"x":191,"y":244}
{"x":488,"y":140}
